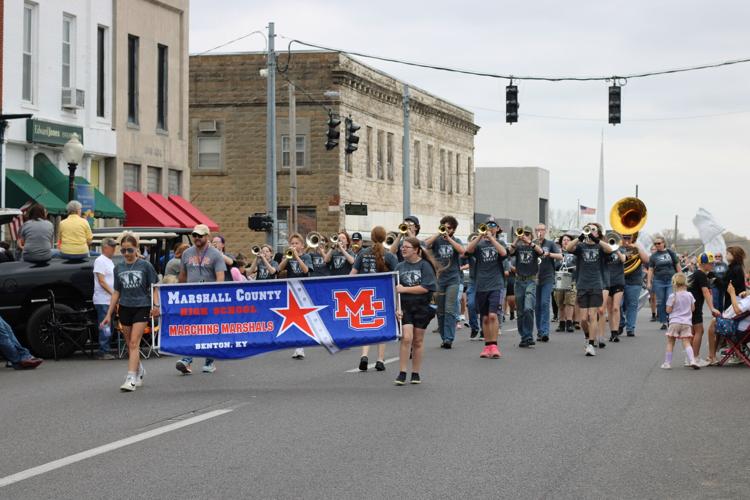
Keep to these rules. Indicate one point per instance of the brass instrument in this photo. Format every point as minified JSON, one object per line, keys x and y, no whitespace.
{"x":474,"y":236}
{"x":403,"y":228}
{"x":627,"y":217}
{"x":586,"y":231}
{"x":334,"y":239}
{"x":482,"y":229}
{"x":356,"y":247}
{"x":613,"y":239}
{"x":442,"y":229}
{"x":519,"y":232}
{"x":255,"y":250}
{"x":289,"y":254}
{"x":391,"y":238}
{"x":314,"y":239}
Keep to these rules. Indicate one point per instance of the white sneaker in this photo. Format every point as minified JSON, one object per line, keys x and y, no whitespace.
{"x":666,"y":366}
{"x":686,"y":362}
{"x":734,"y":360}
{"x":129,"y":385}
{"x":590,"y":351}
{"x":209,"y":367}
{"x":139,"y":377}
{"x":703,"y":362}
{"x":694,"y":365}
{"x":299,"y":353}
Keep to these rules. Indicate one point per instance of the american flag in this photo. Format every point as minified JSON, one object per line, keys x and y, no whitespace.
{"x":17,"y":222}
{"x":587,"y":210}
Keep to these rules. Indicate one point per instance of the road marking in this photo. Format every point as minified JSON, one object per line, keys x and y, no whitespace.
{"x":372,"y":365}
{"x":57,"y":464}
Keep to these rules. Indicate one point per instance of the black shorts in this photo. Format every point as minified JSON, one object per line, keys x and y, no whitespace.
{"x":588,"y":299}
{"x":487,"y":302}
{"x":418,"y":314}
{"x":510,"y":290}
{"x":131,"y":315}
{"x":698,"y":316}
{"x":615,"y":289}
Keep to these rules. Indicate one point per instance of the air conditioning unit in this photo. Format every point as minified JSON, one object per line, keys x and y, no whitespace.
{"x":205,"y":126}
{"x":73,"y":98}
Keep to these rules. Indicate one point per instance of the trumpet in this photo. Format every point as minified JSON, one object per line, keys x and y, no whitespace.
{"x":519,"y":232}
{"x":356,"y":247}
{"x":390,"y":239}
{"x":442,"y":229}
{"x":255,"y":250}
{"x":334,"y":239}
{"x":403,"y":228}
{"x":586,"y":231}
{"x":474,"y":236}
{"x":314,"y":239}
{"x":614,"y":240}
{"x":289,"y":254}
{"x":482,"y":229}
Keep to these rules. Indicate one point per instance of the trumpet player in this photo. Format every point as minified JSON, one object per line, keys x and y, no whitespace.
{"x":356,"y":243}
{"x":447,"y":251}
{"x":527,"y":252}
{"x":339,"y":257}
{"x":407,"y":229}
{"x":297,"y":264}
{"x":263,"y":267}
{"x":545,"y":281}
{"x":316,"y":249}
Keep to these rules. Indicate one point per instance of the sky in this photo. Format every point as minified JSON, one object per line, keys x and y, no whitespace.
{"x":683,"y":138}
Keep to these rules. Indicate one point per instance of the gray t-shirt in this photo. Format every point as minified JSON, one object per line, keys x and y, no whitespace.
{"x":591,"y":264}
{"x":134,"y":281}
{"x":38,"y":236}
{"x":527,"y":263}
{"x":489,"y":268}
{"x":202,"y":266}
{"x":319,"y":266}
{"x":547,"y":267}
{"x":419,"y":273}
{"x":294,"y":270}
{"x":338,"y":264}
{"x":262,"y":271}
{"x":663,"y":262}
{"x":448,"y":259}
{"x":365,"y":262}
{"x":615,"y":269}
{"x":636,"y":277}
{"x":173,"y":267}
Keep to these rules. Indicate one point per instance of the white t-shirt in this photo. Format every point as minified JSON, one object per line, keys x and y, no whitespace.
{"x":103,"y":265}
{"x":744,"y":307}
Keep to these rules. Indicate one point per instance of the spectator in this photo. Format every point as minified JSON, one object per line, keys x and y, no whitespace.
{"x":239,"y":271}
{"x":18,"y":356}
{"x":736,"y":271}
{"x":5,"y":253}
{"x":75,"y":234}
{"x":104,"y":282}
{"x":37,"y":236}
{"x":173,"y":266}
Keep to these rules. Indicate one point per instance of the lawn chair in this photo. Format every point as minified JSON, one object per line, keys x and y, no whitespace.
{"x":736,"y":340}
{"x":148,"y":342}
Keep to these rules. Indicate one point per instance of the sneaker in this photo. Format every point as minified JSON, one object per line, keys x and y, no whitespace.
{"x":209,"y":367}
{"x":401,"y":379}
{"x":446,"y":345}
{"x":614,"y":337}
{"x":105,"y":356}
{"x":602,"y":345}
{"x":495,"y":352}
{"x":474,"y":334}
{"x":486,"y":352}
{"x":524,"y":344}
{"x":531,"y":342}
{"x":415,"y":378}
{"x":590,"y":351}
{"x":544,"y":338}
{"x":129,"y":385}
{"x":139,"y":376}
{"x":561,"y":327}
{"x":363,"y":362}
{"x":703,"y":362}
{"x":686,"y":362}
{"x":734,"y":360}
{"x":27,"y":364}
{"x":299,"y":353}
{"x":380,"y":366}
{"x":666,"y":366}
{"x":459,"y":325}
{"x":663,"y":326}
{"x":694,"y":365}
{"x":512,"y":315}
{"x":631,"y":334}
{"x":576,"y":325}
{"x":184,"y":366}
{"x":569,"y":327}
{"x":654,"y":318}
{"x":712,"y":362}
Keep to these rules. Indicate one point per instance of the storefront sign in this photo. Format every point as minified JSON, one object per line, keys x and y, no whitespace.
{"x":42,"y":132}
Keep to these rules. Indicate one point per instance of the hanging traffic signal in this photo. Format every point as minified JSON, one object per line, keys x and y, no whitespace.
{"x":260,"y":222}
{"x":352,"y":140}
{"x":511,"y":103}
{"x":332,"y":136}
{"x":614,"y":104}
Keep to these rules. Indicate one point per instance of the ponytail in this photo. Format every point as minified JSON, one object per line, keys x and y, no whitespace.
{"x":377,"y":235}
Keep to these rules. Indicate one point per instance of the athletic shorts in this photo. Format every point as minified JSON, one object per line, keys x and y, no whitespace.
{"x":616,"y":289}
{"x":418,"y":314}
{"x":697,"y":316}
{"x":510,"y":290}
{"x":588,"y":299}
{"x":131,"y":315}
{"x":487,"y":302}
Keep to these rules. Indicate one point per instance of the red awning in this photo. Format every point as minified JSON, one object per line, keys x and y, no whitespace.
{"x":184,"y":219}
{"x":142,"y":212}
{"x":190,"y":209}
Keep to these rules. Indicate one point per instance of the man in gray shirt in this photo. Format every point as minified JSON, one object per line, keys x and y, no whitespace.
{"x":201,"y":263}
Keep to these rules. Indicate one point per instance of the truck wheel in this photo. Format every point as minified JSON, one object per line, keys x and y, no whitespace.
{"x":39,"y":333}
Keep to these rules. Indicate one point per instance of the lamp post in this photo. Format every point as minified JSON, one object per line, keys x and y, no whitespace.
{"x":73,"y":153}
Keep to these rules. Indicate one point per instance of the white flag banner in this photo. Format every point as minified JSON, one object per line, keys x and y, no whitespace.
{"x":710,"y":231}
{"x":646,"y":241}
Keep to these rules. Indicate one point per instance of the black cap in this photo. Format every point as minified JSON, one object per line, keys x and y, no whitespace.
{"x":357,"y":236}
{"x":412,"y":218}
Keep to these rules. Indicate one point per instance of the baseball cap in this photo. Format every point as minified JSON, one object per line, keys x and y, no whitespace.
{"x":706,"y":258}
{"x":201,"y":229}
{"x":412,"y":218}
{"x":356,"y":236}
{"x":491,"y":221}
{"x":527,"y":229}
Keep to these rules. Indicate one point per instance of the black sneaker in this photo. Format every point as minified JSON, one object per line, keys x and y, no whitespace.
{"x":531,"y":342}
{"x":577,"y":325}
{"x":415,"y":378}
{"x":446,"y":345}
{"x":544,"y":339}
{"x":523,"y":344}
{"x":614,"y":337}
{"x":631,"y":334}
{"x":561,"y":326}
{"x":401,"y":379}
{"x":474,"y":334}
{"x":363,"y":362}
{"x":654,"y":318}
{"x":569,"y":327}
{"x":380,"y":366}
{"x":512,"y":315}
{"x":620,"y":330}
{"x":663,"y":326}
{"x":602,"y":345}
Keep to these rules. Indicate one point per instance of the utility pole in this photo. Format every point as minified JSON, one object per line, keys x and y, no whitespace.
{"x":676,"y":218}
{"x":636,"y":190}
{"x":292,"y":160}
{"x":271,"y":208}
{"x":406,"y":155}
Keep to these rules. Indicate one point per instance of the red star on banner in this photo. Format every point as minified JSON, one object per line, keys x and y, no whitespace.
{"x":294,"y":315}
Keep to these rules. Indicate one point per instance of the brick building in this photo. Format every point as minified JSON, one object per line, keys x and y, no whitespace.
{"x":228,"y":146}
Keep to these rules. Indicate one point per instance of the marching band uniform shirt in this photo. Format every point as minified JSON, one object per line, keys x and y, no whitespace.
{"x":134,"y":281}
{"x":590,"y":266}
{"x":293,"y":269}
{"x":419,"y":273}
{"x":547,"y":267}
{"x":615,"y":269}
{"x":636,"y":277}
{"x":448,"y":259}
{"x":663,"y":263}
{"x":365,"y":262}
{"x":262,"y":271}
{"x":526,"y":261}
{"x":338,"y":265}
{"x":489,"y":268}
{"x":319,"y":266}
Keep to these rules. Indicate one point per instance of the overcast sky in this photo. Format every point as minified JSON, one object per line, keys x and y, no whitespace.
{"x":684,"y":139}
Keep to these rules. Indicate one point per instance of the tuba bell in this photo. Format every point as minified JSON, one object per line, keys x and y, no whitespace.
{"x":314,"y":239}
{"x":628,"y":215}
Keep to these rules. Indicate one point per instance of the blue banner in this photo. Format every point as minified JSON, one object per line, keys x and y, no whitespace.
{"x":241,"y":319}
{"x":85,"y":195}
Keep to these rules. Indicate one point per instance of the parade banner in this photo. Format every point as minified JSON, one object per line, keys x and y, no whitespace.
{"x":242,"y":319}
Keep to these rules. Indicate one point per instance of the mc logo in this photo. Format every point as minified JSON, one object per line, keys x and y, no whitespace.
{"x":362,"y":310}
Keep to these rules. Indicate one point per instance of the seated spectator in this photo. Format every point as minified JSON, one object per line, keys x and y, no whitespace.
{"x":37,"y":236}
{"x":17,"y":355}
{"x":75,"y":234}
{"x":736,"y":308}
{"x":173,"y":266}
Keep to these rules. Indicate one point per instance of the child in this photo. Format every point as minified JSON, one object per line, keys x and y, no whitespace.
{"x":680,"y":306}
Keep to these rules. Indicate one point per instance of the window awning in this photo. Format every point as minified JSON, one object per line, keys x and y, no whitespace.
{"x":21,"y":188}
{"x":157,"y":211}
{"x":193,"y":211}
{"x":103,"y":206}
{"x":184,"y":219}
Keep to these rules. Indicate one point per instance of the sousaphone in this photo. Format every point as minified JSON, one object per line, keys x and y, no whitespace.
{"x":627,"y":217}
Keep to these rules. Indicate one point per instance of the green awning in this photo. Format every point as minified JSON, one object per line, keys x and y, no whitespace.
{"x":57,"y":182}
{"x":21,"y":188}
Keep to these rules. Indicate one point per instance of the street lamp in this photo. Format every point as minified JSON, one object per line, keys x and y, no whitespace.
{"x":73,"y":153}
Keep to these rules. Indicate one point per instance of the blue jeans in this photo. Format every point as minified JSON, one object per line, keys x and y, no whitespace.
{"x":630,"y":307}
{"x":105,"y":334}
{"x":447,"y":305}
{"x":10,"y":348}
{"x":662,"y":289}
{"x":525,"y":305}
{"x":718,"y":297}
{"x":543,"y":299}
{"x":189,"y":360}
{"x":471,"y":306}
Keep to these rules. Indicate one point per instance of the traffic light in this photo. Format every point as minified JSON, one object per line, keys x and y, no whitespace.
{"x":333,"y":134}
{"x":260,"y":222}
{"x":352,"y":139}
{"x":511,"y":104}
{"x":614,"y":104}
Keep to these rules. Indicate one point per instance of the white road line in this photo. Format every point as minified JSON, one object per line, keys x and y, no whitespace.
{"x":57,"y":464}
{"x":372,"y":365}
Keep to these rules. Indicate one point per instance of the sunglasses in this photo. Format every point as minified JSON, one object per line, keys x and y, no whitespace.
{"x":659,"y":243}
{"x":129,"y":250}
{"x":196,"y":235}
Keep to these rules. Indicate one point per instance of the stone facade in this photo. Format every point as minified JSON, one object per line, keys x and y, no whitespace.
{"x":228,"y":95}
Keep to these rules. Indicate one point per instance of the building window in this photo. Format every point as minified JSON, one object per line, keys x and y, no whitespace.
{"x":133,"y":79}
{"x":458,"y":173}
{"x":417,"y":164}
{"x":389,"y":156}
{"x":153,"y":180}
{"x":469,"y":174}
{"x":542,"y":211}
{"x":381,"y":139}
{"x":68,"y":51}
{"x":449,"y":180}
{"x":430,"y":161}
{"x":442,"y":170}
{"x":29,"y":36}
{"x":131,"y":176}
{"x":209,"y":153}
{"x":101,"y":61}
{"x":369,"y":152}
{"x":299,"y":151}
{"x":162,"y":98}
{"x":175,"y":182}
{"x":307,"y":222}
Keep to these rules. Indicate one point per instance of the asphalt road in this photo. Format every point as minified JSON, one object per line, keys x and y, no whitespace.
{"x":545,"y":422}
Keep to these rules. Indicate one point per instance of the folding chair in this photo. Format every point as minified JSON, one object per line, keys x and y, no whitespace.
{"x":148,"y":342}
{"x":736,"y":340}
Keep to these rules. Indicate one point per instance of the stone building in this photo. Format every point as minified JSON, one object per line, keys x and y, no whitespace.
{"x":228,"y":146}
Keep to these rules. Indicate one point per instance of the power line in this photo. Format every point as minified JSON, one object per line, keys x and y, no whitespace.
{"x":572,"y":118}
{"x":256,"y":32}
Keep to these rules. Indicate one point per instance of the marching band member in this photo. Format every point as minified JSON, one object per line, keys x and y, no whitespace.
{"x":510,"y":290}
{"x":545,"y":282}
{"x":616,"y":273}
{"x":356,"y":243}
{"x":566,"y":299}
{"x":340,"y":258}
{"x":633,"y":285}
{"x":412,"y":230}
{"x":447,"y":251}
{"x":264,"y":267}
{"x":375,"y":259}
{"x":417,"y":281}
{"x":297,"y":265}
{"x":527,"y":252}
